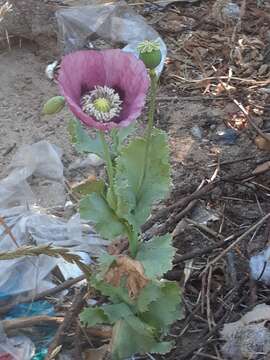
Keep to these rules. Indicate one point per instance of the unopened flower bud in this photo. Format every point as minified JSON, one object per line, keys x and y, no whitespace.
{"x":54,"y":105}
{"x":150,"y":54}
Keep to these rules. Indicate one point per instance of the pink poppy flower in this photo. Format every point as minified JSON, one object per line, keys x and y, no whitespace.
{"x":104,"y":89}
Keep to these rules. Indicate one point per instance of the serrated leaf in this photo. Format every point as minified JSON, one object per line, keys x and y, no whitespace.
{"x":96,"y":209}
{"x":124,"y":132}
{"x":90,"y":186}
{"x":166,"y":309}
{"x":104,"y":263}
{"x":83,"y":142}
{"x":115,"y":294}
{"x":117,"y":312}
{"x":156,"y":255}
{"x":135,"y":198}
{"x":132,"y":336}
{"x":162,"y":347}
{"x":93,"y":315}
{"x":149,"y":294}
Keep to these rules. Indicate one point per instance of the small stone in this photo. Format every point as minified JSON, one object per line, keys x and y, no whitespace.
{"x":263,"y":69}
{"x":226,"y":137}
{"x":262,"y":143}
{"x":196,"y":131}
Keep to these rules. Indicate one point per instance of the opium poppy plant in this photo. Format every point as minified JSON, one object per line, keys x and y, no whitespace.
{"x":104,"y":89}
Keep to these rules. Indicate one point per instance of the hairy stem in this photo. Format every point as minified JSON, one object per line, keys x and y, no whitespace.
{"x":151,"y":113}
{"x":109,"y":165}
{"x":133,"y":240}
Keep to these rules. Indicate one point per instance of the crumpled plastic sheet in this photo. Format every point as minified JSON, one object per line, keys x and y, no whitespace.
{"x":260,"y":266}
{"x":32,"y":225}
{"x":249,"y":337}
{"x":15,"y":348}
{"x":116,"y":23}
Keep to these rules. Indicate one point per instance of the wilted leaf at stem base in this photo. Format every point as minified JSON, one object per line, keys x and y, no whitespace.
{"x":131,"y":270}
{"x":131,"y":336}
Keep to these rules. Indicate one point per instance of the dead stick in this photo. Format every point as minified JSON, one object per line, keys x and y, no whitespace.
{"x":224,"y":252}
{"x":199,"y":252}
{"x":72,"y":314}
{"x":179,"y":204}
{"x":22,"y":323}
{"x":28,"y":299}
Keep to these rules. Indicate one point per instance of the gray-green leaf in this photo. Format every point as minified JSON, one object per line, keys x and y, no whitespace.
{"x":83,"y":142}
{"x":156,"y":255}
{"x":135,"y":198}
{"x":96,"y":209}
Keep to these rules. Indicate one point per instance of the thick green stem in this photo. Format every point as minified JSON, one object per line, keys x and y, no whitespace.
{"x":151,"y":113}
{"x":109,"y":164}
{"x":133,"y":240}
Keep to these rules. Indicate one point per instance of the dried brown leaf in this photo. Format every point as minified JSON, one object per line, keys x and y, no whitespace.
{"x":126,"y":268}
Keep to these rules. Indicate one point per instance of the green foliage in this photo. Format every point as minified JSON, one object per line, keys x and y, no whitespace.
{"x":166,"y":308}
{"x":82,"y":141}
{"x":95,"y":208}
{"x":136,"y":192}
{"x":156,"y":255}
{"x":132,"y":336}
{"x":119,"y":136}
{"x":138,"y":324}
{"x":117,"y":312}
{"x":93,"y":316}
{"x":124,"y":132}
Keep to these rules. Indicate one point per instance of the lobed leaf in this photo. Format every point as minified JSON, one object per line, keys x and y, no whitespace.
{"x":83,"y":142}
{"x":92,"y":316}
{"x":156,"y":255}
{"x":95,"y":208}
{"x":132,"y":336}
{"x":166,"y":309}
{"x":135,"y":197}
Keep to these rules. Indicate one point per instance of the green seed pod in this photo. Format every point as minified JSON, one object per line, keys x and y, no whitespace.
{"x":152,"y":59}
{"x":150,"y":54}
{"x":54,"y":105}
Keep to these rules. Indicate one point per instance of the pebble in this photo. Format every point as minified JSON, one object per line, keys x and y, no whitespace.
{"x":226,"y":137}
{"x":196,"y":131}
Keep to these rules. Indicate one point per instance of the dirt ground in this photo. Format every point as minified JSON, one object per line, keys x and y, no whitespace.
{"x":195,"y":110}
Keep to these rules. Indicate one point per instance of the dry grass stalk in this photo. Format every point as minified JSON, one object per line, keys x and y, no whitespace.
{"x":49,"y":251}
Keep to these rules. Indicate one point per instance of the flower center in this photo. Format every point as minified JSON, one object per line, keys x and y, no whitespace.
{"x":103,"y":103}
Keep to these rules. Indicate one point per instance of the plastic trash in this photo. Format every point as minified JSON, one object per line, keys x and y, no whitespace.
{"x":104,"y":25}
{"x":41,"y":159}
{"x":15,"y":348}
{"x":33,"y":225}
{"x":260,"y":266}
{"x":42,"y":335}
{"x":249,"y":337}
{"x":35,"y":308}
